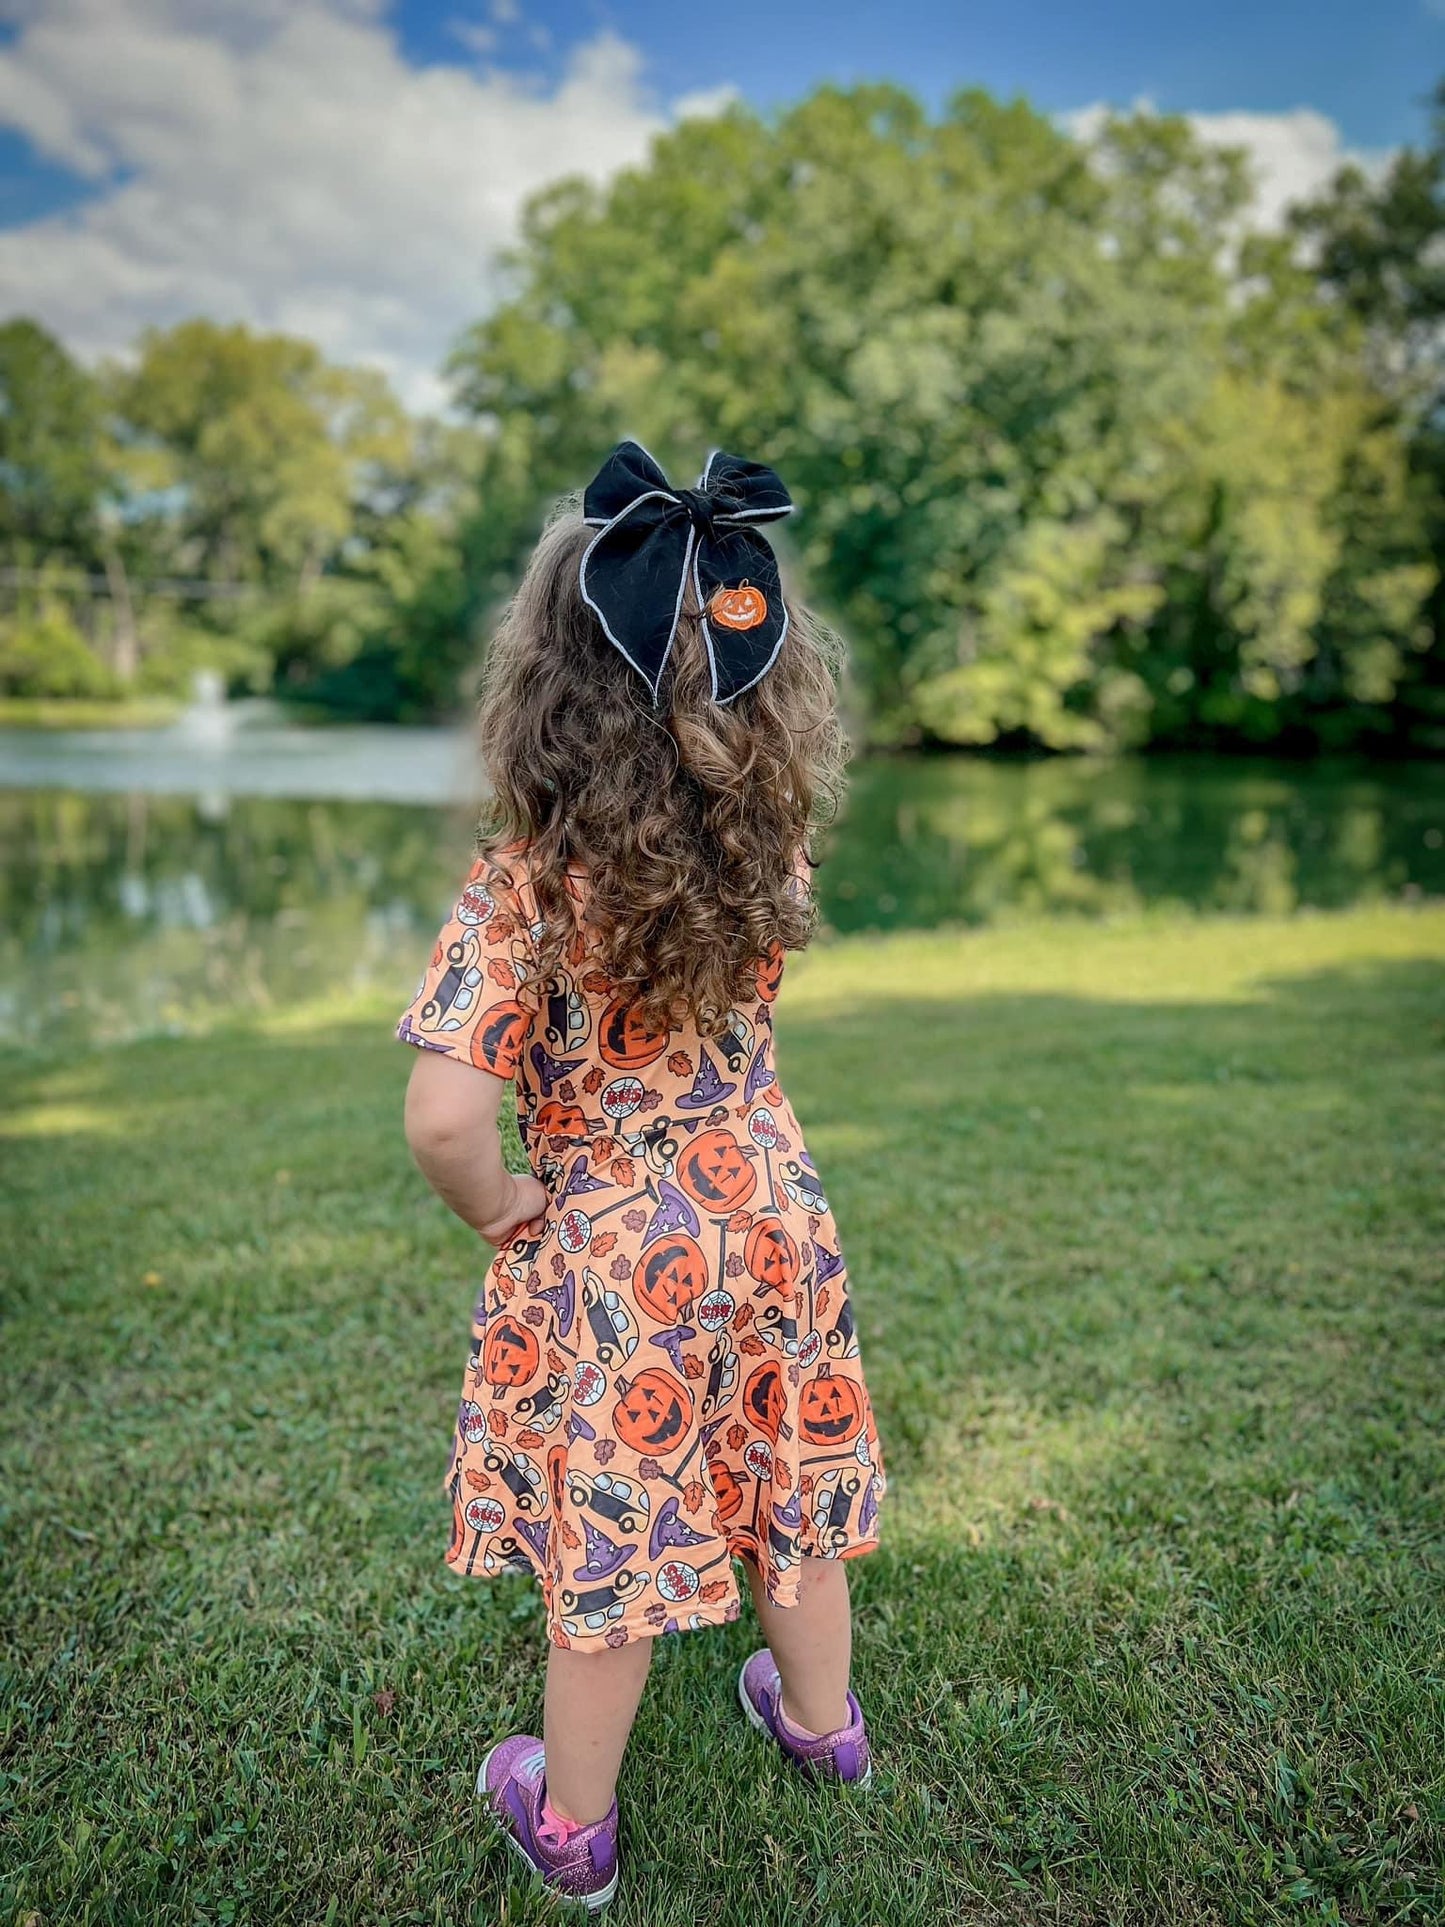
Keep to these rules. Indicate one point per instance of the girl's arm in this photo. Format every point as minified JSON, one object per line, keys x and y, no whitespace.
{"x":451,"y":1126}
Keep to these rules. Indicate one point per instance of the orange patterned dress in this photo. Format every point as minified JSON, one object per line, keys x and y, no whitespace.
{"x":668,"y":1375}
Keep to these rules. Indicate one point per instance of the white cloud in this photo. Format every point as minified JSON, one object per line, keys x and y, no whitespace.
{"x":279,"y":162}
{"x":1293,"y":154}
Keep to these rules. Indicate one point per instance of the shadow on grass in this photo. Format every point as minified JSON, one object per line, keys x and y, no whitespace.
{"x":1149,"y":1301}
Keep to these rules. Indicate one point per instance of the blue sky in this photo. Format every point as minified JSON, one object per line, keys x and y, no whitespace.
{"x":1366,"y":66}
{"x":350,"y":169}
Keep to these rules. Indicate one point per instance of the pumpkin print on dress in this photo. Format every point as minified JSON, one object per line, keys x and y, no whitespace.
{"x":667,"y":1377}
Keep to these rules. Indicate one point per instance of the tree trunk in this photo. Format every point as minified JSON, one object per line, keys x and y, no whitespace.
{"x":125,"y":642}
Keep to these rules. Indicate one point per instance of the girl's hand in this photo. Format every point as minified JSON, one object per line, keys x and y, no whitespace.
{"x":524,"y":1212}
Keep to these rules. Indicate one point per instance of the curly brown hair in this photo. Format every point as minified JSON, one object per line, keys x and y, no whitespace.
{"x":689,"y":820}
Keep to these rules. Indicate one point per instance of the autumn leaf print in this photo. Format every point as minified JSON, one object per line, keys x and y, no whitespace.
{"x":734,"y":1265}
{"x":555,"y":1362}
{"x":635,"y":1220}
{"x":751,"y":1345}
{"x":740,"y":1221}
{"x":603,"y":1450}
{"x":570,"y":1536}
{"x":648,"y":1469}
{"x":478,"y":1481}
{"x":737,"y":1437}
{"x":619,"y":1269}
{"x":567,"y":1090}
{"x":692,"y":1367}
{"x":650,"y":1100}
{"x":680,"y":1064}
{"x":822,"y":1302}
{"x":693,"y":1494}
{"x":528,"y":1437}
{"x":501,"y":972}
{"x":624,"y":1172}
{"x":593,"y":1081}
{"x":714,"y":1590}
{"x":603,"y":1243}
{"x":497,"y":1424}
{"x":742,"y":1318}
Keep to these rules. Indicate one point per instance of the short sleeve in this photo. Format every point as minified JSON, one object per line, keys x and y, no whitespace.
{"x":471,"y":1001}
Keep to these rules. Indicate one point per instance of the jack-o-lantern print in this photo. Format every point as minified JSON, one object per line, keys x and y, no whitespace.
{"x":655,"y":1412}
{"x":498,"y":1036}
{"x":727,"y":1491}
{"x":764,"y":1398}
{"x":669,"y":1277}
{"x":625,"y":1039}
{"x":510,"y":1352}
{"x":771,"y":1254}
{"x":664,"y":1367}
{"x":831,"y":1409}
{"x":716,"y":1171}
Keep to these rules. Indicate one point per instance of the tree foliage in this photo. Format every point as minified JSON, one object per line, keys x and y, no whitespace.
{"x":1082,"y":462}
{"x":1074,"y":468}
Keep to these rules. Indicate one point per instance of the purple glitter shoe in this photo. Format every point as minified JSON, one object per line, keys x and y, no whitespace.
{"x":842,"y":1755}
{"x":512,"y":1783}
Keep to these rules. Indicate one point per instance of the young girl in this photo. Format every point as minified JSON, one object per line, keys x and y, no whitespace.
{"x":664,"y":1372}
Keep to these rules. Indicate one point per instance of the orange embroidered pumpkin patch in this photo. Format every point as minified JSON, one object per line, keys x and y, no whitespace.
{"x":741,"y":608}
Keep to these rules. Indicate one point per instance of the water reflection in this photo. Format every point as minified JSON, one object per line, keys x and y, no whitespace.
{"x":133,"y":914}
{"x":967,"y":840}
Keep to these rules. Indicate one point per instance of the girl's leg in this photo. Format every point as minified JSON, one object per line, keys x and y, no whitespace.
{"x":592,"y":1701}
{"x":811,"y":1644}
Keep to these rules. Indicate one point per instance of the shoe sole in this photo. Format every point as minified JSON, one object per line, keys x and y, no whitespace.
{"x":594,"y":1903}
{"x":760,"y":1725}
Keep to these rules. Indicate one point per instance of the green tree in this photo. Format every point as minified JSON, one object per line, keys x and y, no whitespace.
{"x":251,"y":451}
{"x":51,"y":467}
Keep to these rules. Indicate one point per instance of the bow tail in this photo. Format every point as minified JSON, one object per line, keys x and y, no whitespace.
{"x":634,"y":576}
{"x":735,"y":557}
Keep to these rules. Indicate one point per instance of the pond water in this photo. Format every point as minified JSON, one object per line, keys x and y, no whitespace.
{"x":156,"y":881}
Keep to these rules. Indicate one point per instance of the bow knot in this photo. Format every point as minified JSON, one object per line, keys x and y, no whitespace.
{"x":702,"y":508}
{"x":652,"y":538}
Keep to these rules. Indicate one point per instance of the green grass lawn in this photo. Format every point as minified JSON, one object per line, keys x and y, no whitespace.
{"x":1145,"y":1228}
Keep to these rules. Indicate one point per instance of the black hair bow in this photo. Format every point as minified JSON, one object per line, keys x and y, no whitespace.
{"x":651,"y":535}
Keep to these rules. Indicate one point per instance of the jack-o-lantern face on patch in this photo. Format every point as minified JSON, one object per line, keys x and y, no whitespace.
{"x":772,"y":1256}
{"x":763,"y":1397}
{"x":498,"y":1038}
{"x":509,"y":1353}
{"x":726,"y":1489}
{"x":625,"y":1040}
{"x":741,"y":608}
{"x":770,"y":973}
{"x":654,"y":1414}
{"x":669,"y":1276}
{"x":830,"y":1410}
{"x":715,"y":1171}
